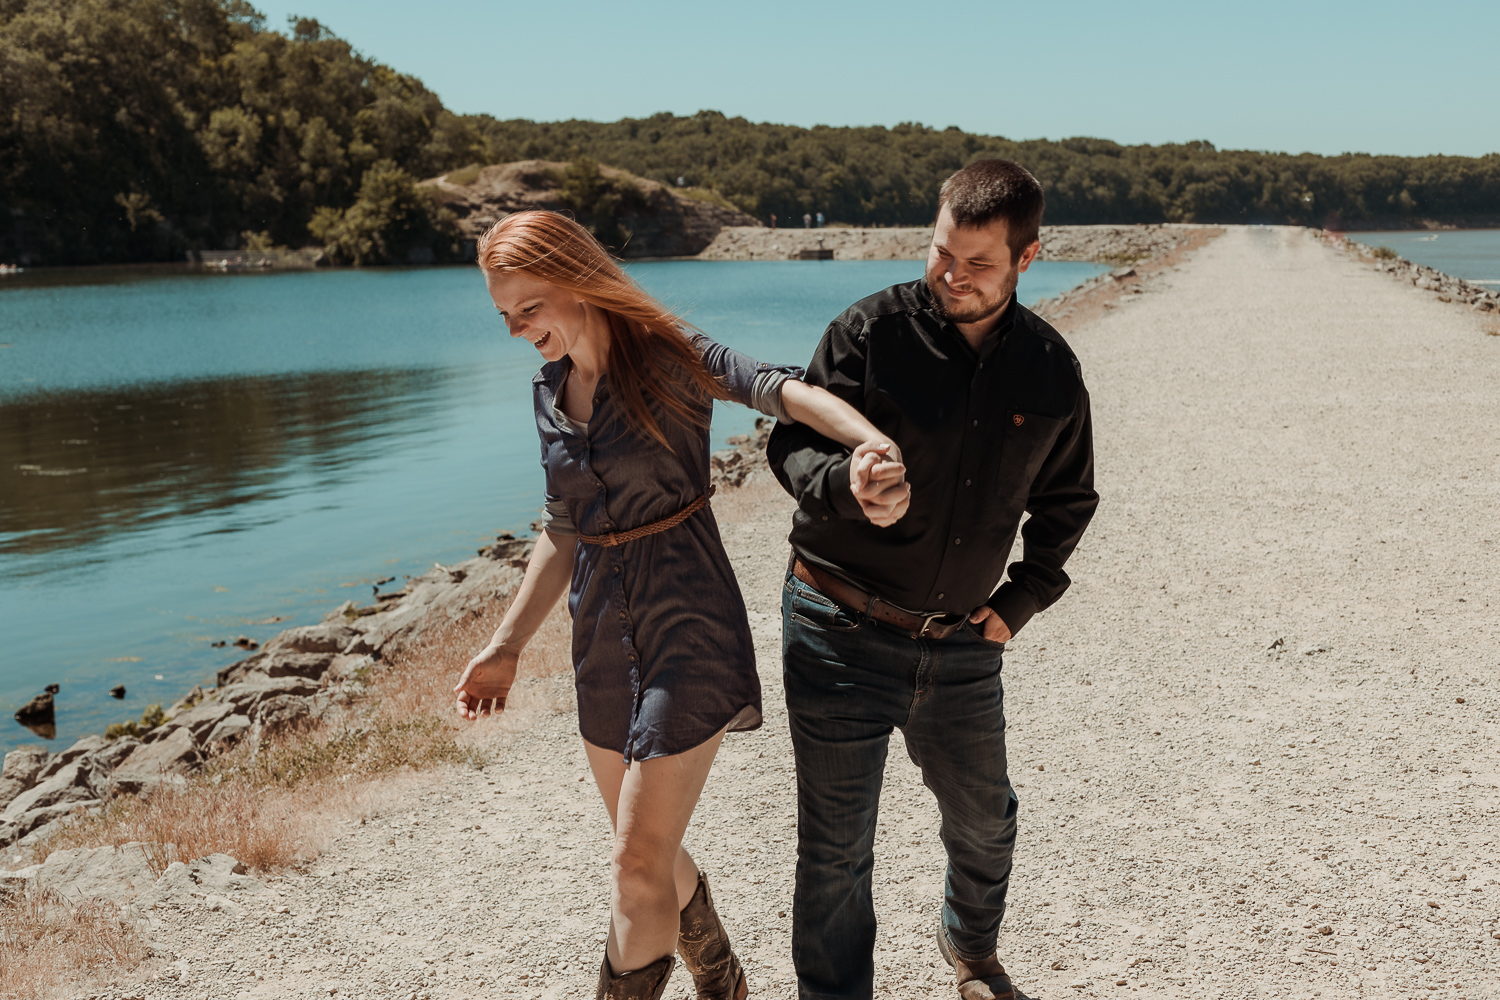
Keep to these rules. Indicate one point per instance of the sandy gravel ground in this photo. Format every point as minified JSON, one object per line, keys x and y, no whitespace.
{"x":1254,"y":745}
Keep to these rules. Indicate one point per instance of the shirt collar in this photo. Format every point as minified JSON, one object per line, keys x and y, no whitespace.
{"x":1007,"y":320}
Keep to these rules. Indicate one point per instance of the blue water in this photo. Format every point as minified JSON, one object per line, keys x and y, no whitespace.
{"x":1471,"y":254}
{"x":187,"y":458}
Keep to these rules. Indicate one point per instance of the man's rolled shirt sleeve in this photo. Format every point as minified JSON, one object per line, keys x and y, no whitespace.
{"x":1061,"y":503}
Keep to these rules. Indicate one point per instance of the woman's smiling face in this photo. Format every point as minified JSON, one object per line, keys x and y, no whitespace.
{"x":550,"y":319}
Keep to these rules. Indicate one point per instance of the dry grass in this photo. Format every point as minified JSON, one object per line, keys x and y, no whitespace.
{"x":50,"y":946}
{"x":268,"y":828}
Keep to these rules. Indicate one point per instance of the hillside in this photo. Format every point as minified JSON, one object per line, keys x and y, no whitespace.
{"x":633,"y":216}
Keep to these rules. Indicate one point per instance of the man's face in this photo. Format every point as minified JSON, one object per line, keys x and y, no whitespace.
{"x":970,"y":271}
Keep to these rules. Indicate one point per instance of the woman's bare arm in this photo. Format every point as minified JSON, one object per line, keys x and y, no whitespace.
{"x":487,"y":680}
{"x":877,"y":476}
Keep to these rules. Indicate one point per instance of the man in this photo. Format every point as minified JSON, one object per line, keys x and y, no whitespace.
{"x":902,"y":626}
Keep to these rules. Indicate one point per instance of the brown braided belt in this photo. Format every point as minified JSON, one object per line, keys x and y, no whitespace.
{"x":654,"y":528}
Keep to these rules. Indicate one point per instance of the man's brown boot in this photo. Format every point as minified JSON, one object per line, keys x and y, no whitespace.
{"x":642,"y":984}
{"x":983,"y":979}
{"x":705,"y":950}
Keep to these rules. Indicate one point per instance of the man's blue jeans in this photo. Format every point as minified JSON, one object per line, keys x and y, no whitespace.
{"x":849,"y":681}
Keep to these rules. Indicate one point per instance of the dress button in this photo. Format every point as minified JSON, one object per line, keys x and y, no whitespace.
{"x":623,"y":616}
{"x":631,"y":657}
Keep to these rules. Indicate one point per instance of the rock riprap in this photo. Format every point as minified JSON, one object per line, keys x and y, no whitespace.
{"x":298,"y":677}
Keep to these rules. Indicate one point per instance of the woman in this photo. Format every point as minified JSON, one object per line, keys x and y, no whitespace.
{"x":662,"y":652}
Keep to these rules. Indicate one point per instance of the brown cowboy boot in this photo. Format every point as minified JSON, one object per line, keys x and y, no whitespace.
{"x":705,"y":951}
{"x":642,"y":984}
{"x":977,"y":980}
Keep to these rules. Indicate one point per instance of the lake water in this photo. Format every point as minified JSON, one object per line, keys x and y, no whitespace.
{"x":1471,"y":254}
{"x":187,"y":458}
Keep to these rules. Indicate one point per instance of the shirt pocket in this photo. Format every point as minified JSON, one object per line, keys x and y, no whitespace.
{"x":1028,"y":440}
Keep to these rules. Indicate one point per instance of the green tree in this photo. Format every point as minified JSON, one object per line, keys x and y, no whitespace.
{"x":393,"y":221}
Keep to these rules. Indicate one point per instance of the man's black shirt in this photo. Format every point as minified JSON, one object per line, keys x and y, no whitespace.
{"x":984,"y":437}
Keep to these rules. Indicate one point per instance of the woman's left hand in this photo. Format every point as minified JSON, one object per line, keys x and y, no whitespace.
{"x":877,"y":479}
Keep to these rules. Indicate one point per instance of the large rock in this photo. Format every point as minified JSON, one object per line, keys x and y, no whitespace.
{"x":74,"y":783}
{"x":118,"y":874}
{"x":246,"y":695}
{"x":328,"y":637}
{"x":151,"y":765}
{"x":29,"y":827}
{"x":87,"y":745}
{"x":287,"y":664}
{"x":199,"y":720}
{"x":281,"y":713}
{"x":38,"y":709}
{"x":229,"y":732}
{"x":22,"y":766}
{"x":217,"y":880}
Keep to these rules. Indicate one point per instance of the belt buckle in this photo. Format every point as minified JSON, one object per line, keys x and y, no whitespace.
{"x":925,"y":630}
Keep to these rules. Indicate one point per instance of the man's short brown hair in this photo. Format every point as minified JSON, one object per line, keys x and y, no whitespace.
{"x":987,"y":190}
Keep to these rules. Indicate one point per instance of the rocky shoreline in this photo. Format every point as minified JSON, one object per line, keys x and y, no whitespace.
{"x":1102,"y":244}
{"x":1445,"y":286}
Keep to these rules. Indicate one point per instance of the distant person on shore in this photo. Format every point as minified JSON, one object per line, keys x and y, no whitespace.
{"x":820,"y":220}
{"x":773,"y":220}
{"x":806,"y":221}
{"x":663,"y":660}
{"x":903,"y":626}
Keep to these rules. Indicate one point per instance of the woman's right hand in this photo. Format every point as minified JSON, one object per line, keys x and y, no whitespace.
{"x":877,"y":478}
{"x":486,"y":682}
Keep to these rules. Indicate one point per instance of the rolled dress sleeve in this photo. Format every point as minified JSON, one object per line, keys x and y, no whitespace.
{"x":752,"y":383}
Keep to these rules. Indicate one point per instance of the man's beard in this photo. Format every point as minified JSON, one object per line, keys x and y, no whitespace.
{"x":974,"y":311}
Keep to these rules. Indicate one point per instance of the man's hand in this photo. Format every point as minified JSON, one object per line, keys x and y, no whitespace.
{"x":486,"y":683}
{"x":877,"y":478}
{"x":995,"y":630}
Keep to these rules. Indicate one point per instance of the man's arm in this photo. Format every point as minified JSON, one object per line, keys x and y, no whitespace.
{"x":805,"y":462}
{"x":1061,"y":503}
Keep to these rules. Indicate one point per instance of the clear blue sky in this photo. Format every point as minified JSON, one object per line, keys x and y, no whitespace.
{"x":1325,"y":77}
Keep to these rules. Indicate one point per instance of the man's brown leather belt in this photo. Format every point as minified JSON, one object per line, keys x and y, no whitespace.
{"x":936,"y":626}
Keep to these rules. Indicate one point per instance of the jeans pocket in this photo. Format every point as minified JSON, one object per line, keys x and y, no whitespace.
{"x":978,"y":632}
{"x":816,"y":611}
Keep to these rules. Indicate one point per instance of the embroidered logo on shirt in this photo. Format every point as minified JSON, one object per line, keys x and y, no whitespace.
{"x":1018,"y":419}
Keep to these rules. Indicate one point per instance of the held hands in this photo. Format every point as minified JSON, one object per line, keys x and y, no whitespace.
{"x":877,"y":478}
{"x":995,"y":630}
{"x":486,"y":682}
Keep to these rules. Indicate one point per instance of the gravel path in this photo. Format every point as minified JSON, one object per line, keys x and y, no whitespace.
{"x":1254,"y":745}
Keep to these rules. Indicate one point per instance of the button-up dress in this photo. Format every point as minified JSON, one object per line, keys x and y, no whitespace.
{"x":662,"y":654}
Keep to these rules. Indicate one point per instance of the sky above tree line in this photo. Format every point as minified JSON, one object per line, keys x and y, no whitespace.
{"x":1322,"y":77}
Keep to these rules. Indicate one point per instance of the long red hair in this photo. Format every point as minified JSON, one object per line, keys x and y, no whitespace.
{"x":649,"y":352}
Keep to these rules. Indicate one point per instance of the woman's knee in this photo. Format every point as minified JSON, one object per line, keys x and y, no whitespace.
{"x":642,"y":862}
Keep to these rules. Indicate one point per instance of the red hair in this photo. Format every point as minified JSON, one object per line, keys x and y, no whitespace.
{"x":649,"y":351}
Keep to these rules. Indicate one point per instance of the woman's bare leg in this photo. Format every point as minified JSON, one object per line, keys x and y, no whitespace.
{"x":650,"y":804}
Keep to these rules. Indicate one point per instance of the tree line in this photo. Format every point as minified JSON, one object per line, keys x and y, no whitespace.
{"x":137,"y":129}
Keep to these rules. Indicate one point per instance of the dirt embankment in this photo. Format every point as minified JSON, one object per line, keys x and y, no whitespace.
{"x":1109,"y":244}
